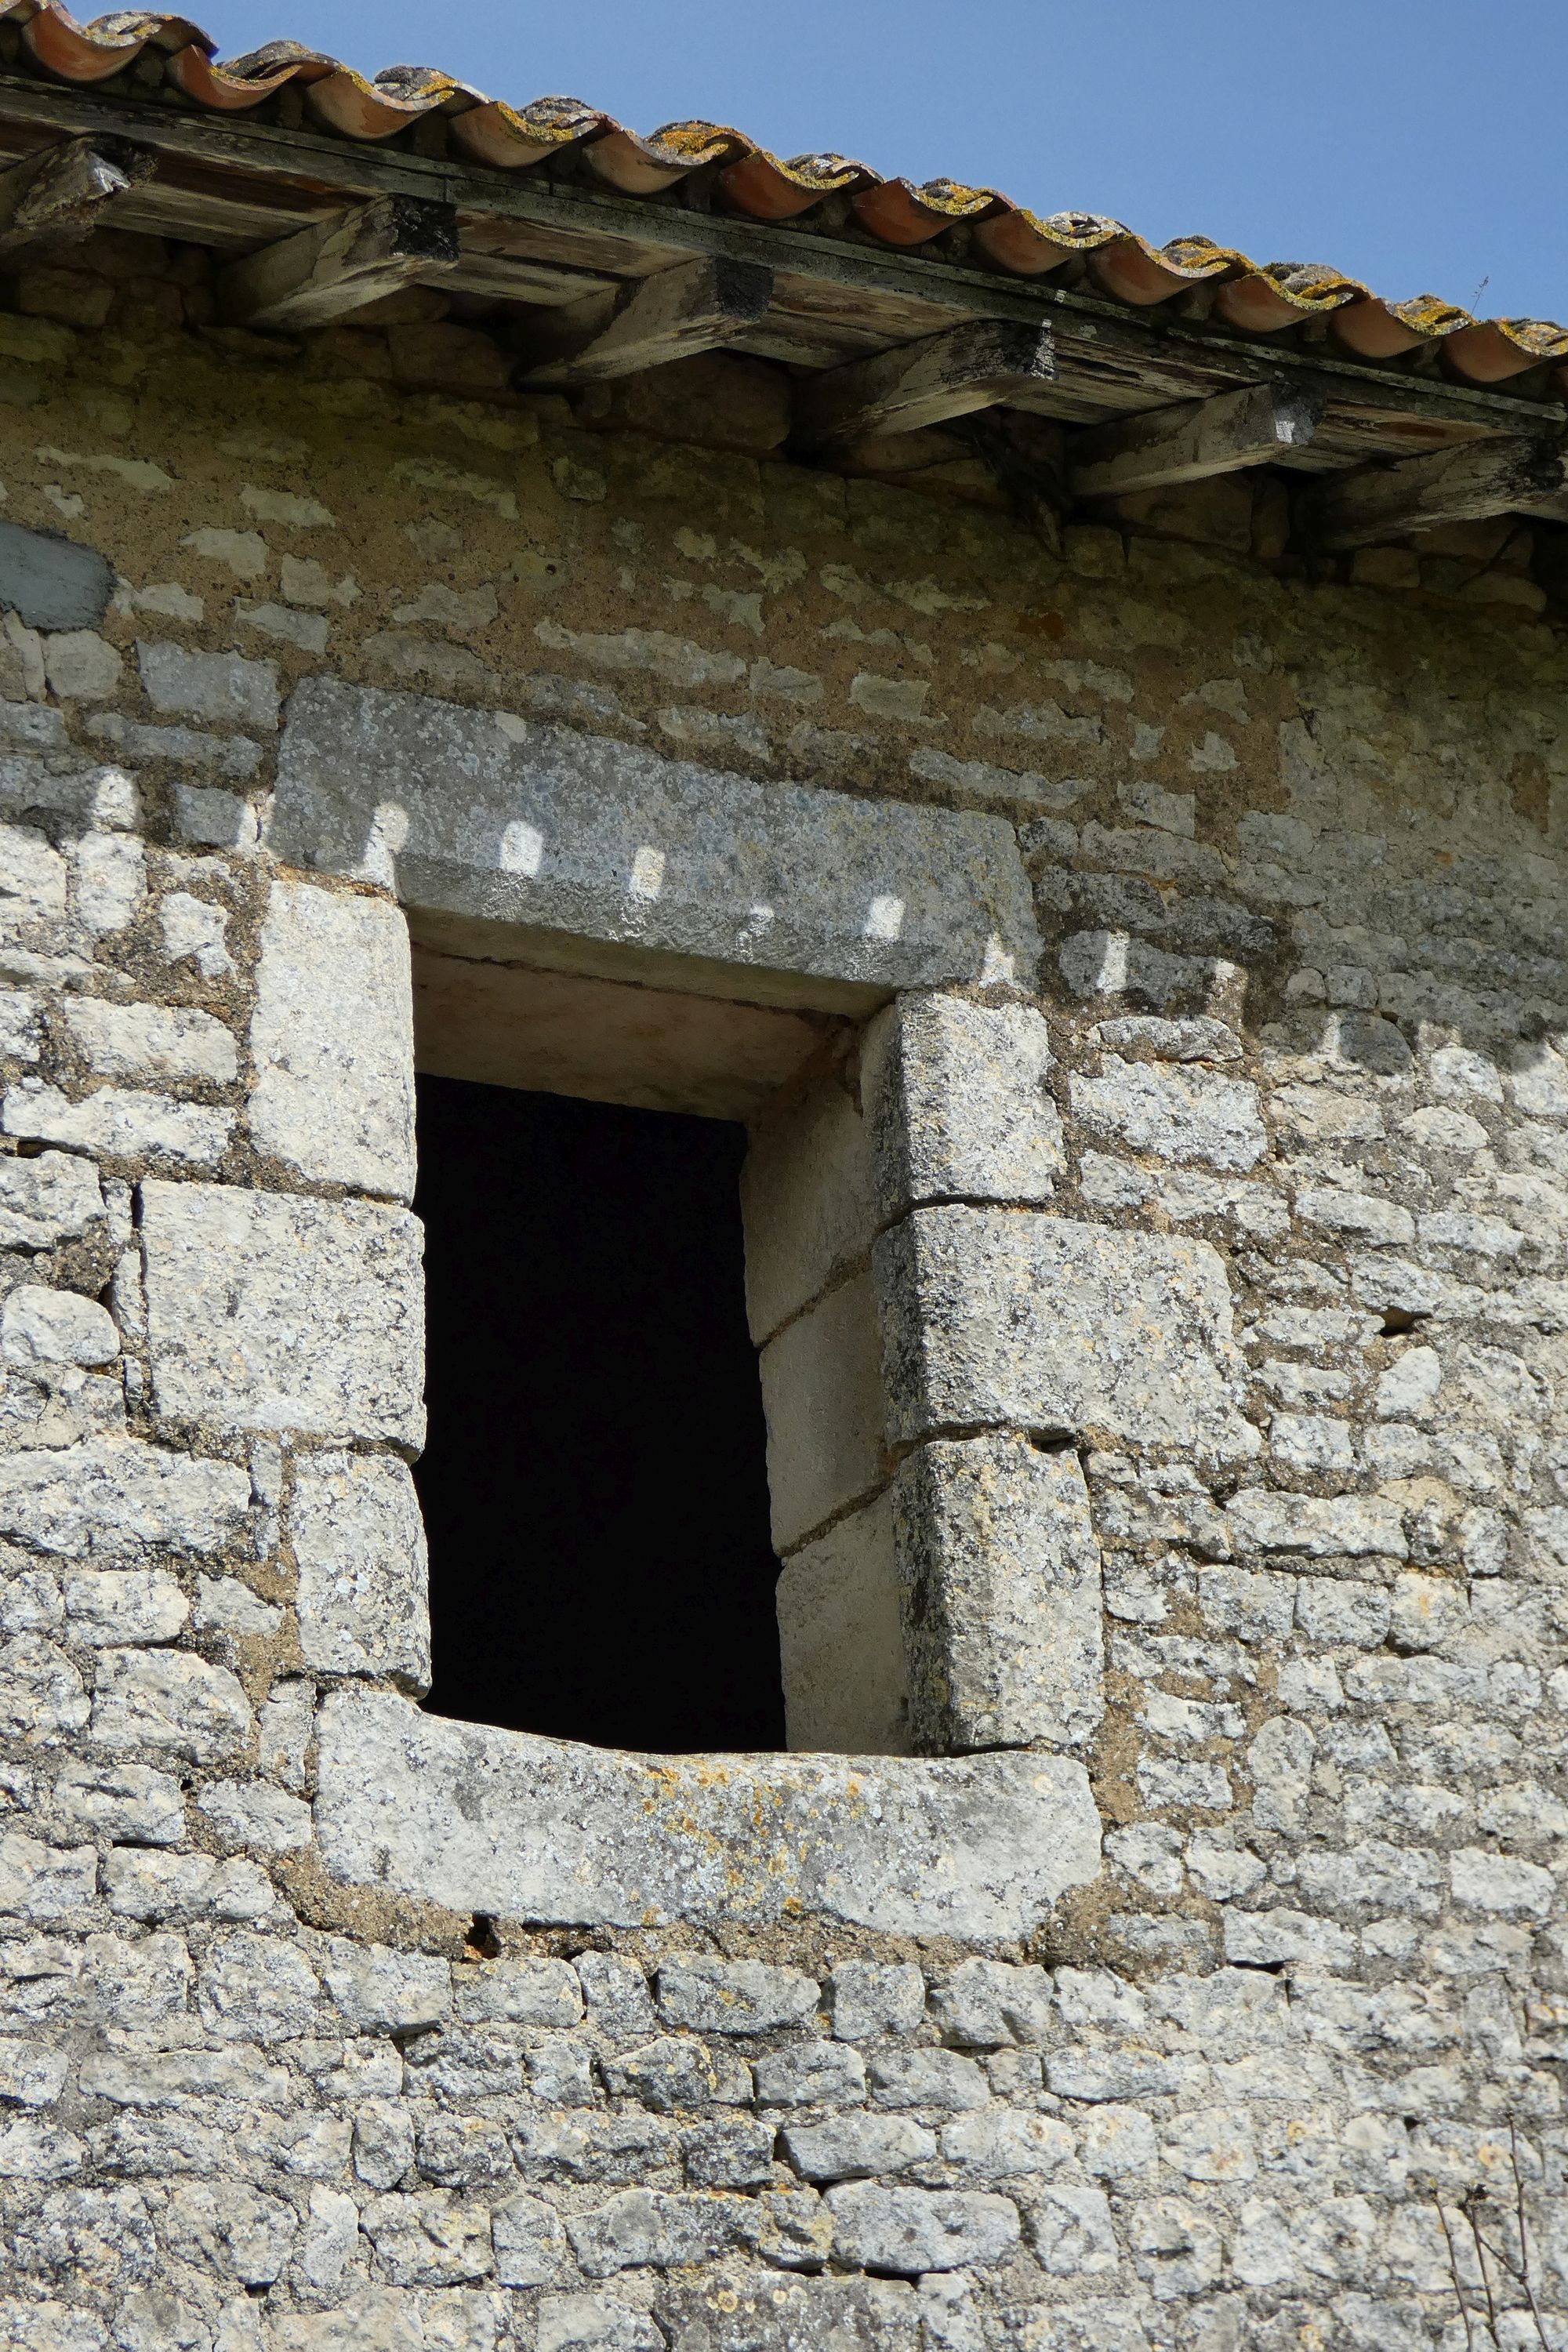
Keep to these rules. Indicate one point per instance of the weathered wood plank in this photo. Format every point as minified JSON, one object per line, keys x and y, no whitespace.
{"x":1258,"y":425}
{"x":698,"y":306}
{"x":1381,"y":502}
{"x":325,"y":273}
{"x":62,"y":194}
{"x":975,"y":365}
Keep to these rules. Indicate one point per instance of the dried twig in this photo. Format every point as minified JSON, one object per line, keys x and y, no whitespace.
{"x":1468,"y":2203}
{"x":1524,"y":2279}
{"x":1453,"y":2267}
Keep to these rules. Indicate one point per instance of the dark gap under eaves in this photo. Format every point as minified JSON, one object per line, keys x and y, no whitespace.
{"x":593,"y":1483}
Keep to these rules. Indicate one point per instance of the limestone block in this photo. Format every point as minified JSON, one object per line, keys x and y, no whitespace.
{"x":501,"y":1822}
{"x":55,"y":1327}
{"x":45,"y":1882}
{"x":42,"y":1202}
{"x":151,"y":1041}
{"x":109,"y":1606}
{"x":857,"y":2147}
{"x":478,"y":813}
{"x":957,"y":1103}
{"x":714,"y":1996}
{"x":767,"y":2311}
{"x":810,"y":2074}
{"x":32,"y":880}
{"x":255,"y":1813}
{"x":992,"y":2005}
{"x":1358,"y":1525}
{"x":20,"y":1037}
{"x":597,"y":2321}
{"x":219,"y":687}
{"x":1007,"y":2144}
{"x":122,"y":1122}
{"x":1060,"y":1327}
{"x":806,"y":1197}
{"x":359,"y":1543}
{"x":173,"y":1702}
{"x":269,"y":1312}
{"x":110,"y":880}
{"x":1175,"y":1113}
{"x":520,"y":1992}
{"x":428,"y":2237}
{"x":529,"y":2241}
{"x":822,"y":1394}
{"x":135,"y":1802}
{"x":925,"y":2079}
{"x":999,"y":1573}
{"x":380,"y":1991}
{"x":841,"y":1644}
{"x":876,"y":1997}
{"x":909,"y":2231}
{"x":117,"y":1498}
{"x":662,"y":2230}
{"x":42,"y":1699}
{"x":51,"y":581}
{"x":332,"y":1040}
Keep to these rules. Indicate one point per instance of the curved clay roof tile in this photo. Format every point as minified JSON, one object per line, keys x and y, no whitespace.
{"x":641,"y":167}
{"x":900,"y":212}
{"x":1144,"y":274}
{"x":511,"y":138}
{"x":768,"y":189}
{"x":245,"y":81}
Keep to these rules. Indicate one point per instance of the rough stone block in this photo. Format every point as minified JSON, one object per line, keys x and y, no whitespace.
{"x":857,"y":2147}
{"x":134,"y":1802}
{"x":51,"y":1199}
{"x":841,"y":1644}
{"x":152,"y":1041}
{"x":714,"y":1996}
{"x":810,"y":2074}
{"x":380,"y":1991}
{"x":574,"y":833}
{"x":1175,"y":1114}
{"x":822,"y":1394}
{"x":500,"y":1821}
{"x":653,"y":2229}
{"x":50,"y":582}
{"x":109,"y":1606}
{"x":117,"y":1498}
{"x":520,"y":1992}
{"x":170,"y":1701}
{"x":805,"y":1196}
{"x":122,"y":1122}
{"x":270,"y":1313}
{"x":911,"y":2230}
{"x":219,"y":687}
{"x":332,"y":1040}
{"x":55,"y":1327}
{"x":875,"y":1997}
{"x":359,"y":1545}
{"x":999,"y":1572}
{"x":992,"y":2005}
{"x":957,"y":1103}
{"x":1059,"y":1328}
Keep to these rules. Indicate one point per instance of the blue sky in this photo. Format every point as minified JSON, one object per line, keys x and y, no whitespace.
{"x":1415,"y":143}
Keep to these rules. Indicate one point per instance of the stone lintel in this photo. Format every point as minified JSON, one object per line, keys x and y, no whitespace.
{"x":477,"y":1818}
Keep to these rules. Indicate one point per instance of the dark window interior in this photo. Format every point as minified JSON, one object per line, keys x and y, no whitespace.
{"x":594,"y":1485}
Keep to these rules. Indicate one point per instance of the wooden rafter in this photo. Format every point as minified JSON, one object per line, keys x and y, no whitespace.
{"x":1253,"y":426}
{"x":697,"y":306}
{"x":328,"y":272}
{"x":979,"y":365}
{"x":1382,"y":503}
{"x":61,"y":195}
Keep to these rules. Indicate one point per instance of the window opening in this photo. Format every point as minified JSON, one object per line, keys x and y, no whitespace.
{"x":593,"y":1483}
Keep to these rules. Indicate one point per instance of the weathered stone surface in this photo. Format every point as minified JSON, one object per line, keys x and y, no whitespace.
{"x":858,"y":2146}
{"x":118,"y":1498}
{"x":266,"y":1312}
{"x":648,"y":2228}
{"x":876,"y":1997}
{"x":134,"y":1801}
{"x":53,"y":1198}
{"x":841,"y":1644}
{"x":220,"y":687}
{"x":358,"y":1544}
{"x":910,"y":2231}
{"x":762,"y":2312}
{"x":1176,"y":1113}
{"x":332,"y":1040}
{"x":1000,"y":1575}
{"x":55,"y":1327}
{"x":106,"y":1606}
{"x":170,"y":1701}
{"x":992,"y":2005}
{"x":1057,"y":1327}
{"x":122,"y":1122}
{"x":957,"y":1103}
{"x":504,"y":1823}
{"x":714,"y":1996}
{"x":151,"y":1041}
{"x":563,"y":832}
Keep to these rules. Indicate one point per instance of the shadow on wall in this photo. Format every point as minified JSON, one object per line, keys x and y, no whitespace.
{"x":593,"y":1486}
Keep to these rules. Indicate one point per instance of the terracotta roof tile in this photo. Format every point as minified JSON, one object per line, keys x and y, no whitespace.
{"x":1255,"y":299}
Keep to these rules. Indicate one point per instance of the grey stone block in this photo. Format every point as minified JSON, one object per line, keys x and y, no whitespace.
{"x":332,"y":1040}
{"x":957,"y":1103}
{"x":1007,"y":2144}
{"x":714,"y":1996}
{"x":359,"y":1545}
{"x":172,"y":1701}
{"x":521,"y":1827}
{"x":857,"y":2147}
{"x":1000,"y":1575}
{"x":994,"y":2005}
{"x":266,"y":1312}
{"x":53,"y":1198}
{"x":1175,"y":1114}
{"x":520,"y":1992}
{"x":875,"y":1997}
{"x":530,"y":2243}
{"x":576,"y":835}
{"x":221,"y":687}
{"x":118,"y":1499}
{"x":596,"y":2321}
{"x":910,"y":2231}
{"x":52,"y":583}
{"x":154,"y":1041}
{"x":841,"y":1643}
{"x":926,"y":2078}
{"x":650,"y":2228}
{"x":1060,"y":1327}
{"x":810,"y":2074}
{"x":122,"y":1122}
{"x":762,"y":2312}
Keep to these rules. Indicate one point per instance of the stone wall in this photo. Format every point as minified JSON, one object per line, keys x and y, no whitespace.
{"x":1269,"y":1270}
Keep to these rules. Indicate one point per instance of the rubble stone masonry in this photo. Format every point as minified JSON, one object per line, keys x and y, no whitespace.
{"x":1184,"y":1955}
